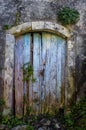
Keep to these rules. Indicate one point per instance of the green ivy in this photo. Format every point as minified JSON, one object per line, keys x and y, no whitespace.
{"x":28,"y":75}
{"x":68,"y":16}
{"x":12,"y":121}
{"x":28,"y":72}
{"x":76,"y":119}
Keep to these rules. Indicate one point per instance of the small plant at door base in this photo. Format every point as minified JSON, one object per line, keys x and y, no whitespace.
{"x":28,"y":72}
{"x":12,"y":121}
{"x":68,"y":16}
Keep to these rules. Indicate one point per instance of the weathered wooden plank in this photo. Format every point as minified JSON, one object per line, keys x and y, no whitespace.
{"x":26,"y":59}
{"x":44,"y":94}
{"x":59,"y":71}
{"x":36,"y":66}
{"x":19,"y":77}
{"x":53,"y":74}
{"x":46,"y":55}
{"x":49,"y":73}
{"x":63,"y":61}
{"x":42,"y":72}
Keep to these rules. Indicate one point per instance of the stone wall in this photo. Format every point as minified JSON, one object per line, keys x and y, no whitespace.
{"x":15,"y":12}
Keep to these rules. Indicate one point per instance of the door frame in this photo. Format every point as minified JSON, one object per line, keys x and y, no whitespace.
{"x":9,"y":54}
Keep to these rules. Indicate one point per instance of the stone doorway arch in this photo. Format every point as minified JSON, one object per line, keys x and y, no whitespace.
{"x":9,"y":52}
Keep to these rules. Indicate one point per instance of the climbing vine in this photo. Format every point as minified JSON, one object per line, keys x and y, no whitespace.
{"x":17,"y":18}
{"x":28,"y":75}
{"x":28,"y":72}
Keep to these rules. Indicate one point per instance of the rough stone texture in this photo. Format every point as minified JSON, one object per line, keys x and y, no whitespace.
{"x":14,"y":12}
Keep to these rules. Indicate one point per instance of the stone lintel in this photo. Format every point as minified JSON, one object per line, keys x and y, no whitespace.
{"x":39,"y":26}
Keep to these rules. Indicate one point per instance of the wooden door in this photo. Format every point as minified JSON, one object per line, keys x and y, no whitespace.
{"x":46,"y":52}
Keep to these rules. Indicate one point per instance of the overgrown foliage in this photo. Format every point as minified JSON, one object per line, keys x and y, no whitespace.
{"x":13,"y":121}
{"x":68,"y":16}
{"x":76,"y":119}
